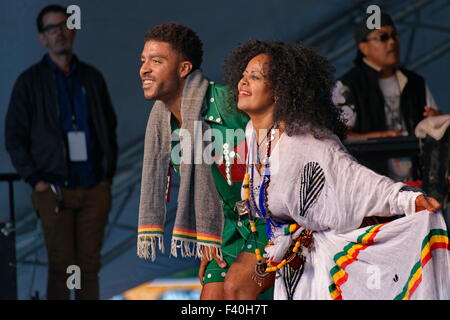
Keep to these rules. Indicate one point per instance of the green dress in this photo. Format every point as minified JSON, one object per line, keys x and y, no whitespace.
{"x":237,"y":236}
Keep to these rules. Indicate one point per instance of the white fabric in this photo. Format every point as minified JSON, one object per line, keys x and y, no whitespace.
{"x":348,"y":110}
{"x":399,"y":168}
{"x":349,"y":193}
{"x":430,"y":99}
{"x":382,"y":270}
{"x":435,"y":127}
{"x":391,"y":93}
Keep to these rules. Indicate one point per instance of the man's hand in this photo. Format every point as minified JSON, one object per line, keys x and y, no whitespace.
{"x":427,"y":203}
{"x":388,"y":133}
{"x":205,"y":261}
{"x":41,"y":186}
{"x":430,"y":112}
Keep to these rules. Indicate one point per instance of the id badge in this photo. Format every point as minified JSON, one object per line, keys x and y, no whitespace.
{"x":77,"y":146}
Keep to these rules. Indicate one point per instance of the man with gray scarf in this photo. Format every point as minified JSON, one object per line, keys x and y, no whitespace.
{"x":207,"y":225}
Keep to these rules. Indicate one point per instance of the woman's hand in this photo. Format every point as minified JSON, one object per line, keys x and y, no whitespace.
{"x":427,"y":203}
{"x":205,"y":261}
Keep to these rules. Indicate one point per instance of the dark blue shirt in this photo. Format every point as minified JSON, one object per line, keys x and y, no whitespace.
{"x":73,"y":101}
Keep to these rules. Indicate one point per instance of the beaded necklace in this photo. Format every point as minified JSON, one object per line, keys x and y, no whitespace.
{"x":258,"y":145}
{"x":262,"y":269}
{"x":263,"y":209}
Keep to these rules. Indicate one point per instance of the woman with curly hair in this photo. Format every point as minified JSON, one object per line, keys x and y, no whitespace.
{"x":313,"y":195}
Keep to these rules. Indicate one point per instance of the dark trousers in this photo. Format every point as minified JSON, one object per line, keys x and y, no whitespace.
{"x":74,"y":237}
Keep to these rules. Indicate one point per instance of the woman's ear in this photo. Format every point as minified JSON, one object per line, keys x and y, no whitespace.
{"x":184,"y":69}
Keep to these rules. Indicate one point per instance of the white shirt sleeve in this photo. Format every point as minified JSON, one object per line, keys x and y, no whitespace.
{"x":353,"y":191}
{"x":339,"y":100}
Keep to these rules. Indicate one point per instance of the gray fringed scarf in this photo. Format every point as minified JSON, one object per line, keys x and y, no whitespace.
{"x":199,"y":217}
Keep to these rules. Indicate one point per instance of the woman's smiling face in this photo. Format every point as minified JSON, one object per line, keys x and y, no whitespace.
{"x":255,"y":92}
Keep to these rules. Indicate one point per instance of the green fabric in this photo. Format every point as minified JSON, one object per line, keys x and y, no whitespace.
{"x":234,"y":243}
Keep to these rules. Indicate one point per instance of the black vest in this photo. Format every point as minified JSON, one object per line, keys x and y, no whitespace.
{"x":366,"y":96}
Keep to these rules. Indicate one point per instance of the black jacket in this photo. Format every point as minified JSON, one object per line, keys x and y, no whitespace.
{"x":34,"y":136}
{"x":366,"y":96}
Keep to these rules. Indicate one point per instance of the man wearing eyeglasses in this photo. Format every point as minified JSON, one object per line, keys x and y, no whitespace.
{"x":380,"y":99}
{"x":61,"y":136}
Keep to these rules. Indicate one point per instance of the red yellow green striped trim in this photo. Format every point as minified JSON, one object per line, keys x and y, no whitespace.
{"x":335,"y":292}
{"x":185,"y":233}
{"x":436,"y":239}
{"x":150,"y":229}
{"x":193,"y":235}
{"x":368,"y":237}
{"x":346,"y":257}
{"x":208,"y":238}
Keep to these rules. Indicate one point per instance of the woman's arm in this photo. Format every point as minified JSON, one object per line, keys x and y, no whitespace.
{"x":358,"y":192}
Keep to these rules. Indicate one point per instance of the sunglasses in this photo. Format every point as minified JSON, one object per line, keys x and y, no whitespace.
{"x":52,"y":28}
{"x":384,"y":37}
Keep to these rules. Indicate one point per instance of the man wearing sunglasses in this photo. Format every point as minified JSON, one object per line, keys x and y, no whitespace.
{"x":379,"y":98}
{"x":61,"y":136}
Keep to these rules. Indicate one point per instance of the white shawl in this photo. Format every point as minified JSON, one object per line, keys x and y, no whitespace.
{"x":318,"y":185}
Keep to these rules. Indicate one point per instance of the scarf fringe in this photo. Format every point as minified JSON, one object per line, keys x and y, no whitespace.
{"x":192,"y":248}
{"x":146,"y":246}
{"x":201,"y":246}
{"x":187,"y":247}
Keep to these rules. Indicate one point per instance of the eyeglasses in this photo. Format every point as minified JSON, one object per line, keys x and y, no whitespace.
{"x":52,"y":28}
{"x":384,"y":37}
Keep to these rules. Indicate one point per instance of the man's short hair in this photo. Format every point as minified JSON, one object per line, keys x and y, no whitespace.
{"x":362,"y":31}
{"x":182,"y":39}
{"x":47,"y":9}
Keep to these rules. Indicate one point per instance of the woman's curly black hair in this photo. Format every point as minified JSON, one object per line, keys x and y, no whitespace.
{"x":302,"y":83}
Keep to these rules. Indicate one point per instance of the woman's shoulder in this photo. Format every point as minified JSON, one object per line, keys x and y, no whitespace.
{"x":308,"y":151}
{"x":319,"y":143}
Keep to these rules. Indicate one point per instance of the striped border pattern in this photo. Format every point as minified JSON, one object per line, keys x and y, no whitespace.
{"x":436,"y":239}
{"x":346,"y":257}
{"x":193,"y":235}
{"x":150,"y":230}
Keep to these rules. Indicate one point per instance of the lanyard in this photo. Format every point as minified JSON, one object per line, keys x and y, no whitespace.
{"x":70,"y":94}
